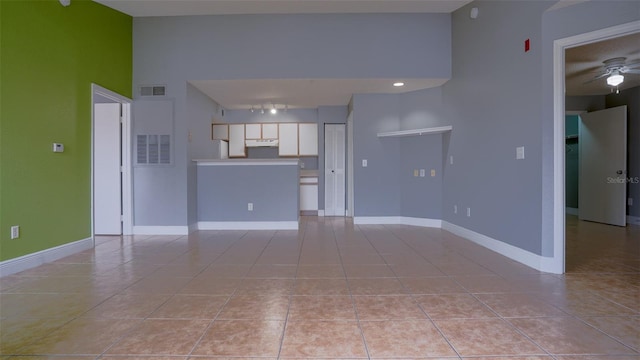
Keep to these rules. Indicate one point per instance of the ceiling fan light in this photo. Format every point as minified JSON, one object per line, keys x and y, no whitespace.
{"x":615,"y":79}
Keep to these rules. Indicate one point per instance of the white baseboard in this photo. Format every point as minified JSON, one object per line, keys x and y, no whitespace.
{"x":633,"y":220}
{"x":571,"y":211}
{"x":397,"y":220}
{"x":538,"y":262}
{"x":248,"y":225}
{"x":161,"y":230}
{"x":432,"y":223}
{"x":193,"y":227}
{"x":29,"y":261}
{"x":376,"y":220}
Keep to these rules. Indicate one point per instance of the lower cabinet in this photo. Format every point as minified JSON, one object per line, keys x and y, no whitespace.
{"x":309,"y":194}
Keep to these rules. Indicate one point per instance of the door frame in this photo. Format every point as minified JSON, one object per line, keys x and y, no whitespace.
{"x":557,"y":263}
{"x":127,"y":197}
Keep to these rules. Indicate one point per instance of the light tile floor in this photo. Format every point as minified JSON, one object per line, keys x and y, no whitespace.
{"x":331,"y":290}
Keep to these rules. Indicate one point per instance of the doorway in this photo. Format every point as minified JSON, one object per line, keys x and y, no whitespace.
{"x":557,"y":264}
{"x":334,"y":169}
{"x":111,"y":196}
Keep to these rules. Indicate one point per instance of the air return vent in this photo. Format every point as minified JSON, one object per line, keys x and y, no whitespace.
{"x":153,"y":90}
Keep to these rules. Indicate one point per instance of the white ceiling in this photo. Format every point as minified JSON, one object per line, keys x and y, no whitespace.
{"x":139,"y":8}
{"x":584,"y":63}
{"x":301,"y":93}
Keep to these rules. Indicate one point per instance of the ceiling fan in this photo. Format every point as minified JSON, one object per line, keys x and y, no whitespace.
{"x":613,"y":70}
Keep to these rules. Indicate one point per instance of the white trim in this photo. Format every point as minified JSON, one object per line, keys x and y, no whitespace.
{"x":127,"y":197}
{"x":417,"y":132}
{"x":530,"y":259}
{"x":571,"y":211}
{"x":633,"y":220}
{"x":29,"y":261}
{"x":376,"y":220}
{"x":558,"y":190}
{"x":160,"y":230}
{"x":248,"y":225}
{"x":193,"y":227}
{"x":397,"y":220}
{"x":431,"y":223}
{"x":321,"y":212}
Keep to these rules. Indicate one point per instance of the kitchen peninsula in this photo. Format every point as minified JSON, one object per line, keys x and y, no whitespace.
{"x":248,"y":193}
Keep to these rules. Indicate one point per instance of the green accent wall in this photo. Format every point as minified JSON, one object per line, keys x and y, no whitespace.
{"x":49,"y":56}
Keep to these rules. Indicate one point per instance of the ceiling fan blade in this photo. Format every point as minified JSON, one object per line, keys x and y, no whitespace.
{"x":598,"y":77}
{"x":632,"y":71}
{"x":633,"y":65}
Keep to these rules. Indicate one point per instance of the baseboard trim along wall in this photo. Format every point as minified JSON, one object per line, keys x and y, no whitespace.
{"x":398,"y":220}
{"x":633,"y":220}
{"x":538,"y":262}
{"x":36,"y":259}
{"x":572,"y":211}
{"x":248,"y":225}
{"x":161,"y":230}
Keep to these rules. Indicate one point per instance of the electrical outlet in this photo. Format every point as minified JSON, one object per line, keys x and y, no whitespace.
{"x":364,"y":162}
{"x":250,"y":206}
{"x":455,"y":209}
{"x":433,"y":172}
{"x":15,"y":232}
{"x":468,"y":212}
{"x":520,"y":152}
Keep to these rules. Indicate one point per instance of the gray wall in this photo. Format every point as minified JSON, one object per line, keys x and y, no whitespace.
{"x":631,"y":98}
{"x":225,"y":191}
{"x":421,"y":197}
{"x":174,"y":50}
{"x":584,"y":103}
{"x":500,"y":98}
{"x":200,"y":110}
{"x":565,"y":22}
{"x":377,"y":186}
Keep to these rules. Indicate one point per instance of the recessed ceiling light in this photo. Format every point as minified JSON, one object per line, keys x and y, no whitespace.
{"x":398,"y":84}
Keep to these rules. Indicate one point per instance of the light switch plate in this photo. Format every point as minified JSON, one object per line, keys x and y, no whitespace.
{"x":520,"y":152}
{"x":433,"y":172}
{"x":422,"y":172}
{"x":415,"y":172}
{"x":364,"y":162}
{"x":57,"y":147}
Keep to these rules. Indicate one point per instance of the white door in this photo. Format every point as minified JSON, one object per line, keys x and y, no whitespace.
{"x":602,"y":188}
{"x":334,"y":166}
{"x":107,"y":200}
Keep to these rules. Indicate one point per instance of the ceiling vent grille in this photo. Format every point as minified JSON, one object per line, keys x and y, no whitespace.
{"x":153,"y":90}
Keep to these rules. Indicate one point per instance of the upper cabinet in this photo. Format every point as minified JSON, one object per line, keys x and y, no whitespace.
{"x":220,"y":132}
{"x":253,"y":131}
{"x":270,"y":131}
{"x":288,"y":139}
{"x":237,"y":140}
{"x":308,"y":139}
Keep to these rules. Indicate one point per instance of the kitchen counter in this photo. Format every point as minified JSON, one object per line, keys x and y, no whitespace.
{"x":248,"y":193}
{"x":253,"y":162}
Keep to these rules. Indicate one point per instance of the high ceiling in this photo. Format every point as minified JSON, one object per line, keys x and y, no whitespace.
{"x":139,"y":8}
{"x":584,"y":63}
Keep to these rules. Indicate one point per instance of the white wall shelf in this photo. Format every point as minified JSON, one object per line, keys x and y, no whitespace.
{"x":417,"y":132}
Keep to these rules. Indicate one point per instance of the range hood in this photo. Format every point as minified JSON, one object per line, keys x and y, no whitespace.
{"x":262,"y":143}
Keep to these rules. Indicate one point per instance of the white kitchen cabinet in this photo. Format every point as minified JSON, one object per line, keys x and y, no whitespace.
{"x":309,"y":194}
{"x":308,"y":139}
{"x":219,"y":131}
{"x":237,"y":140}
{"x":288,"y":139}
{"x":269,"y":131}
{"x":253,"y":131}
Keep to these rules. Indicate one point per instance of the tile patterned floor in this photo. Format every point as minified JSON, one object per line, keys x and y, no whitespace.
{"x":331,"y":290}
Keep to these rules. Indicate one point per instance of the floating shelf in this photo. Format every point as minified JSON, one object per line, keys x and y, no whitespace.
{"x":417,"y":132}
